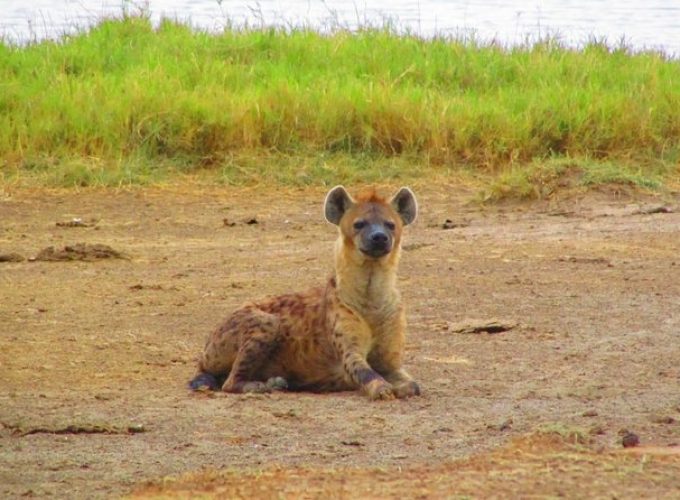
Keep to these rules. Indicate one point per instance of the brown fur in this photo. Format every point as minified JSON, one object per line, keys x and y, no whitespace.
{"x":346,"y":335}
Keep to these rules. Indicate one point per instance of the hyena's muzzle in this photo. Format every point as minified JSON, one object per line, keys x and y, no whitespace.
{"x":376,"y":240}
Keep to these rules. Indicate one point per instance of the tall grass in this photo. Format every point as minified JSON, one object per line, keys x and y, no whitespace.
{"x":135,"y":98}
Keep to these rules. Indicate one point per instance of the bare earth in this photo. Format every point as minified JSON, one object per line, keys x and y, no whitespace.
{"x":95,"y":354}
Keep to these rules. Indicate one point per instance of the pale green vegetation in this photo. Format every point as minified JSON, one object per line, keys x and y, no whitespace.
{"x":127,"y":103}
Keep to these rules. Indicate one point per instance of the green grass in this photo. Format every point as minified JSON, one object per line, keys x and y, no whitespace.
{"x":125,"y":103}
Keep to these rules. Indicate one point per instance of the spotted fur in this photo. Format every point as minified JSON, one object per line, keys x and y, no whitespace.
{"x":346,"y":335}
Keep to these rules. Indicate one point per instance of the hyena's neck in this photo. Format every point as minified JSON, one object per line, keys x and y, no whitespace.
{"x":367,"y":286}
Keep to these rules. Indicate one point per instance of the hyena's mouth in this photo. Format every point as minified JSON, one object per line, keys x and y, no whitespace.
{"x":377,"y":251}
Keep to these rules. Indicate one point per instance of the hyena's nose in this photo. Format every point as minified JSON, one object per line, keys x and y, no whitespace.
{"x":376,"y":243}
{"x":379,"y":238}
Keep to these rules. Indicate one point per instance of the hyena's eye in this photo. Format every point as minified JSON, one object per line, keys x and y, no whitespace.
{"x":390,"y":225}
{"x":360,"y":224}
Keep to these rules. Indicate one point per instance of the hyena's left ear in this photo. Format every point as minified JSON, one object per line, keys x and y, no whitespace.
{"x":338,"y":201}
{"x":404,"y":202}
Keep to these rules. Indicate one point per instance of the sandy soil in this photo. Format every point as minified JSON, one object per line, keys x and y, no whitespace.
{"x":95,"y":354}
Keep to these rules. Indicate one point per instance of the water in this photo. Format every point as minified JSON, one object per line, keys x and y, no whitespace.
{"x":642,"y":24}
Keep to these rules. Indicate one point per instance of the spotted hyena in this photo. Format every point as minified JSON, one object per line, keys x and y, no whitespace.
{"x":346,"y":335}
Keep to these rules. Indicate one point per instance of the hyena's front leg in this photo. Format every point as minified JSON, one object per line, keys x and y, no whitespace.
{"x":370,"y":381}
{"x":351,"y":338}
{"x":386,"y":358}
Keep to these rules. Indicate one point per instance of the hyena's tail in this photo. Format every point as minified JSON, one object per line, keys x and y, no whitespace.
{"x":207,"y":381}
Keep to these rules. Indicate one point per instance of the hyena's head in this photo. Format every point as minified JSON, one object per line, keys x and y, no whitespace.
{"x":370,"y":224}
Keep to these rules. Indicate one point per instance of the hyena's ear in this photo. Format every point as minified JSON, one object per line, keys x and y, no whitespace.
{"x":404,"y":202}
{"x":338,"y":201}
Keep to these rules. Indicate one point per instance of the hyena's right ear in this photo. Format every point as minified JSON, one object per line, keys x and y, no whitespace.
{"x":404,"y":202}
{"x":338,"y":201}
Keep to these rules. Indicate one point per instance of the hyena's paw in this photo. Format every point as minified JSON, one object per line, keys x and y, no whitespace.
{"x":255,"y":387}
{"x":277,"y":384}
{"x":407,"y":389}
{"x":379,"y":390}
{"x":204,"y":382}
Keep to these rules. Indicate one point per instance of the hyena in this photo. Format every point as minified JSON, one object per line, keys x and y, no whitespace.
{"x":346,"y":335}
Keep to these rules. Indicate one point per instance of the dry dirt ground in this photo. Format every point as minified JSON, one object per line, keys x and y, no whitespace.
{"x":95,"y":354}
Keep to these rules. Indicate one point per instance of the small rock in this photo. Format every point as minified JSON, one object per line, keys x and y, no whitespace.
{"x":252,"y":221}
{"x":630,"y":439}
{"x":482,"y":326}
{"x":75,"y":222}
{"x":449,"y":224}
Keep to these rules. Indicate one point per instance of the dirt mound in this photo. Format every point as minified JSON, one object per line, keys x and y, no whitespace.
{"x":79,"y":251}
{"x":11,"y":257}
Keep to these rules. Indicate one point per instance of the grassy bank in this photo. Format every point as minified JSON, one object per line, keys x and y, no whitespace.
{"x":126,"y":102}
